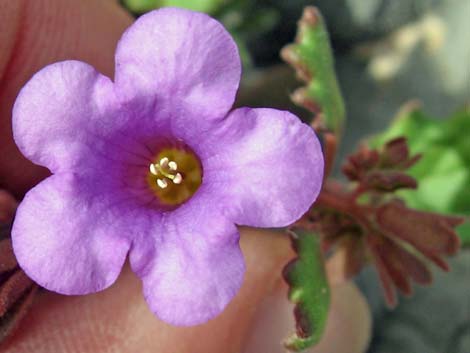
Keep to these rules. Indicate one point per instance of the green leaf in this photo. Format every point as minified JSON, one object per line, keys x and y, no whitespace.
{"x":309,"y":290}
{"x":208,"y":6}
{"x":443,"y":173}
{"x":312,"y":57}
{"x":141,"y":6}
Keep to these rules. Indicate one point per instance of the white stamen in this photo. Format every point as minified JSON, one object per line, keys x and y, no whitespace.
{"x":153,"y":170}
{"x":172,"y":165}
{"x":162,"y":183}
{"x":178,"y":179}
{"x":164,"y":161}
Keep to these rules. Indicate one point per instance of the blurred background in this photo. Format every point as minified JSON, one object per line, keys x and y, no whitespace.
{"x":387,"y":52}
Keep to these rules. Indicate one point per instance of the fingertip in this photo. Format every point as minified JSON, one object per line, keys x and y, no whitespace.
{"x":348,"y":328}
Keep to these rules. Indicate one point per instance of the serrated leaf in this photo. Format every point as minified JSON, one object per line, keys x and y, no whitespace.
{"x":312,"y":57}
{"x":309,"y":290}
{"x":443,"y":174}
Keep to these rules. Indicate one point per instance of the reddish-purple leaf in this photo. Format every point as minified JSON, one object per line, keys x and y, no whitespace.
{"x":394,"y":153}
{"x":382,"y":249}
{"x":415,"y":267}
{"x":430,"y":233}
{"x":388,"y":181}
{"x":386,"y":281}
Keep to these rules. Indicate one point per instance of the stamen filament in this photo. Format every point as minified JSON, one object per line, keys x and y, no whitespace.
{"x":165,"y":168}
{"x":164,"y":161}
{"x":163,"y":172}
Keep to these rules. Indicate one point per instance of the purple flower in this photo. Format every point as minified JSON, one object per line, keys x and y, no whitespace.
{"x":154,"y":165}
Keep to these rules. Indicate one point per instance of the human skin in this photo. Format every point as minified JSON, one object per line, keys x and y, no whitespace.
{"x":36,"y":33}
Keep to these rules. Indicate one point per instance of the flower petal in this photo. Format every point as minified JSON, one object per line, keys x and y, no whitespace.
{"x":269,"y":167}
{"x":56,"y":111}
{"x":198,"y":266}
{"x":65,"y":239}
{"x":179,"y":64}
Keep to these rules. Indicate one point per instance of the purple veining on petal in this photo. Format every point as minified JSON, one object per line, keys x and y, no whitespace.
{"x":177,"y":73}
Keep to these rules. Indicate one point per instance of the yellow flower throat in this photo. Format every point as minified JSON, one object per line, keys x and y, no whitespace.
{"x":174,"y":176}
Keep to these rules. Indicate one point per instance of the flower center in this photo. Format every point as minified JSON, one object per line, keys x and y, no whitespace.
{"x":174,"y":175}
